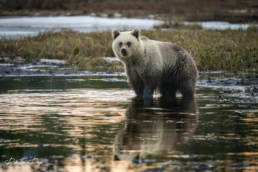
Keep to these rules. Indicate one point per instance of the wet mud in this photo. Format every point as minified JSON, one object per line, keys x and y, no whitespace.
{"x":46,"y":68}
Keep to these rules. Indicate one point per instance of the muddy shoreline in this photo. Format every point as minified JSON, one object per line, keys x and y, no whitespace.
{"x":244,"y":87}
{"x":16,"y":67}
{"x":45,"y":69}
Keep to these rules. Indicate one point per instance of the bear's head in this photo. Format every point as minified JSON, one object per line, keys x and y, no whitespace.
{"x":125,"y":44}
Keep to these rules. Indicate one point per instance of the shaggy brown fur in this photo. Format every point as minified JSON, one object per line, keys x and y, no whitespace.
{"x":152,"y":64}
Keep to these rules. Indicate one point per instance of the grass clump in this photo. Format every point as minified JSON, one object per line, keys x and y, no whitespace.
{"x":79,"y":49}
{"x":179,"y":25}
{"x":173,"y":22}
{"x":230,"y":50}
{"x":252,"y":28}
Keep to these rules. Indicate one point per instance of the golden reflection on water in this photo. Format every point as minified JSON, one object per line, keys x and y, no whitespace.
{"x":88,"y":130}
{"x":81,"y":111}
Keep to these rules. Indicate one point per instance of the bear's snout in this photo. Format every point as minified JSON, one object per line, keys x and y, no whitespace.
{"x":123,"y":51}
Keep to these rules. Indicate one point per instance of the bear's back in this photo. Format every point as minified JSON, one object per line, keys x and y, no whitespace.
{"x":144,"y":38}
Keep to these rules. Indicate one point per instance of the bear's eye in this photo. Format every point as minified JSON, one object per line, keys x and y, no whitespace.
{"x":120,"y":44}
{"x":129,"y":44}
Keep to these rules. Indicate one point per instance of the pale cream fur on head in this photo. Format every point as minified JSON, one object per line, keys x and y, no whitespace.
{"x":121,"y":40}
{"x":151,"y":64}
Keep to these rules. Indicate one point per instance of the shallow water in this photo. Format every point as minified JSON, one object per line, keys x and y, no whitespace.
{"x":219,"y":25}
{"x":93,"y":123}
{"x":13,"y":27}
{"x":30,"y":26}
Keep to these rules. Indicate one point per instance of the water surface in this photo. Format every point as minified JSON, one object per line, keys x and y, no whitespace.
{"x":93,"y":123}
{"x":13,"y":27}
{"x":30,"y":26}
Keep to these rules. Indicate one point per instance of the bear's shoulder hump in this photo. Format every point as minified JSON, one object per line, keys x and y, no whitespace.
{"x":177,"y":48}
{"x":144,"y":38}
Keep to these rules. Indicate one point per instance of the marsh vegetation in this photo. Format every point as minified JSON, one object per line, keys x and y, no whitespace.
{"x":230,"y":50}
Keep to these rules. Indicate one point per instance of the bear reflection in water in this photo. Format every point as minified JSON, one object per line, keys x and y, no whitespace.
{"x":154,"y":126}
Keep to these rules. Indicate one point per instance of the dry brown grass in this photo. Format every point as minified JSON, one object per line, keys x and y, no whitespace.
{"x":231,"y":50}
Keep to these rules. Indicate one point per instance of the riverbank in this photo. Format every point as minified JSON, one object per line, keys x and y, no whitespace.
{"x":228,"y":50}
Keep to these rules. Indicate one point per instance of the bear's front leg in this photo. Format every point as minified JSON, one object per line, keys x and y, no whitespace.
{"x":147,"y":92}
{"x":135,"y":81}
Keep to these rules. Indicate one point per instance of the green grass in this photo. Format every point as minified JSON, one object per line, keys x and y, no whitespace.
{"x":230,"y":50}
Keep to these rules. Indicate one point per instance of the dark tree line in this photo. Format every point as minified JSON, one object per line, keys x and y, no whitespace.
{"x":33,"y":4}
{"x":190,"y":9}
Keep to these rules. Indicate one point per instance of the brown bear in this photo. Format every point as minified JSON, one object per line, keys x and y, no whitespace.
{"x":151,"y":64}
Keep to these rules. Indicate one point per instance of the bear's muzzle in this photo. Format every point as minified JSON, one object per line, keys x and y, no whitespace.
{"x":123,"y":51}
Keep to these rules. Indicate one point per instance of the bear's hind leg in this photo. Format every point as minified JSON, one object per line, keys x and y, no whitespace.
{"x":167,"y":90}
{"x":187,"y":90}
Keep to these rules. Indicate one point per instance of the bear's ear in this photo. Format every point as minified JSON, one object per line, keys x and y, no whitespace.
{"x":136,"y":33}
{"x":115,"y":33}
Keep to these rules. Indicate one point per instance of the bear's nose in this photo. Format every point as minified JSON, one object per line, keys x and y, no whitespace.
{"x":123,"y":51}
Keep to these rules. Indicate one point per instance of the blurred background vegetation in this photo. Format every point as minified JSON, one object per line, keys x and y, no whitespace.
{"x":235,"y":11}
{"x":231,"y":50}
